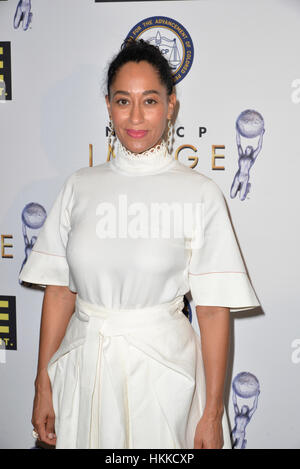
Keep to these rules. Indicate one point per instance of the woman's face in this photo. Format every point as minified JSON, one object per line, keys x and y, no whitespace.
{"x":139,"y":106}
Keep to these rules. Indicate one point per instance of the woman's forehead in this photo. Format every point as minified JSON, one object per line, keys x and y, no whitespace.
{"x":138,"y":73}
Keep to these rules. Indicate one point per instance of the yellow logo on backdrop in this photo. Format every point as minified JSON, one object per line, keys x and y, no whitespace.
{"x":8,"y":332}
{"x":5,"y":71}
{"x":5,"y":246}
{"x":179,"y":152}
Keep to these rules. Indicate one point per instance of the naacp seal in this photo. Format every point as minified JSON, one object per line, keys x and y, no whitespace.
{"x":173,"y":40}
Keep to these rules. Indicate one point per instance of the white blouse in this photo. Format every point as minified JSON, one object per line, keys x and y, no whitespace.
{"x":133,"y":268}
{"x":129,"y":372}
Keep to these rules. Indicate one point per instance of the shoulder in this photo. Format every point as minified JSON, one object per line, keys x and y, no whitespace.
{"x":86,"y":175}
{"x":205,"y":186}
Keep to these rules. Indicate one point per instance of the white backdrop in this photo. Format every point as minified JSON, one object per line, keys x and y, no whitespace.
{"x":245,"y":57}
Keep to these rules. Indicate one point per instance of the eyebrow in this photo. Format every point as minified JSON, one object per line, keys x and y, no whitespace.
{"x":144,"y":92}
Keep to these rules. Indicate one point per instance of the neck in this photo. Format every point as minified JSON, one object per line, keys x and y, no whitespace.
{"x":155,"y":159}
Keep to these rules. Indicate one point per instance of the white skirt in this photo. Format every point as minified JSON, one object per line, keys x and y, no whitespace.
{"x":130,"y":378}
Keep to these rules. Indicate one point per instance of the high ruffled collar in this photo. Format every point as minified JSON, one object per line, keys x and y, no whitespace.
{"x":155,"y":160}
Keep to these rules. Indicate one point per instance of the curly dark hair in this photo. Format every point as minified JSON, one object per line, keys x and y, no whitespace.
{"x":136,"y":51}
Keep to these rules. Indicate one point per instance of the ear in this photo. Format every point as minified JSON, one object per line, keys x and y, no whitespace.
{"x":171,"y":105}
{"x":107,"y":104}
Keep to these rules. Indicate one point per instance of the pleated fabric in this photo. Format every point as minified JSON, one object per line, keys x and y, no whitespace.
{"x":130,"y":378}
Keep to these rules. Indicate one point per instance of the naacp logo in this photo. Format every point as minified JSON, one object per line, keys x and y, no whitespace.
{"x":173,"y":40}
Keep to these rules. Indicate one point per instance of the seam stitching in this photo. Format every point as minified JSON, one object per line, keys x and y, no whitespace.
{"x":47,"y":253}
{"x":222,"y":272}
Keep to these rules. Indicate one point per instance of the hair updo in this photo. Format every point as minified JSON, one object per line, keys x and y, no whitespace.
{"x":136,"y":51}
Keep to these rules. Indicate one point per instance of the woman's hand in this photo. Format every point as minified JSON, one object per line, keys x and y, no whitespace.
{"x":58,"y":307}
{"x":209,"y":433}
{"x":43,"y":416}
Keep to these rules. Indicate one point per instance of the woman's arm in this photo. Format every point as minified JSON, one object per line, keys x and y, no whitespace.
{"x":214,"y":330}
{"x":57,"y":309}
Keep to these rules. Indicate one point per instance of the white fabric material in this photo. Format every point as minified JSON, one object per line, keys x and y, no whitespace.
{"x":149,"y":162}
{"x":110,"y":366}
{"x":129,"y":360}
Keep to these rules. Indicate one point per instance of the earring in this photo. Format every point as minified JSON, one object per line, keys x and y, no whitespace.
{"x":170,"y":136}
{"x":110,"y":135}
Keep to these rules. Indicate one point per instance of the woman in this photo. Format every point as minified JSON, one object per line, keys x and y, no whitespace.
{"x":127,"y":369}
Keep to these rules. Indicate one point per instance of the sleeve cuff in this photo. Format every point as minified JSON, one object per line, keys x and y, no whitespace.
{"x":45,"y":269}
{"x":227,"y":289}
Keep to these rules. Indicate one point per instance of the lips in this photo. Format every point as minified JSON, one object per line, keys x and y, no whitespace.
{"x":136,"y":133}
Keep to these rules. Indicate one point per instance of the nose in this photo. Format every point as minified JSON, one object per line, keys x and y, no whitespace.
{"x":136,"y":114}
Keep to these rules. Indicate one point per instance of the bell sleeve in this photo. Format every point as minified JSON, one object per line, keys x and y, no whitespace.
{"x":217,"y":273}
{"x":47,"y":263}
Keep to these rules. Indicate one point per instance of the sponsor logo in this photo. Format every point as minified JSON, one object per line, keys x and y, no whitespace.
{"x":8,"y":328}
{"x":173,"y":40}
{"x":5,"y":71}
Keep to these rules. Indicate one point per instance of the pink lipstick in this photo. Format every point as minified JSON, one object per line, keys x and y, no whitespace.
{"x":136,"y":133}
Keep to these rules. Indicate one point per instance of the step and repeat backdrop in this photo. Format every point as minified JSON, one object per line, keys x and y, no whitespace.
{"x":237,"y":74}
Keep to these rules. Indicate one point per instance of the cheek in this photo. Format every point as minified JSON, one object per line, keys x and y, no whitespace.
{"x":158,"y":119}
{"x":118,"y":117}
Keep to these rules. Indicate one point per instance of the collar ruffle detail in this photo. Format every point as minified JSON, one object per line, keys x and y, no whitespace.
{"x":152,"y":161}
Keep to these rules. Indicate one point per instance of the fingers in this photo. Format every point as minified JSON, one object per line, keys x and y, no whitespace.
{"x":43,"y":416}
{"x":198,"y":444}
{"x":40,"y":429}
{"x":45,"y":430}
{"x":50,"y":430}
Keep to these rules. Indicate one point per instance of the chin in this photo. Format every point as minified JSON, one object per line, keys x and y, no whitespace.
{"x":139,"y":146}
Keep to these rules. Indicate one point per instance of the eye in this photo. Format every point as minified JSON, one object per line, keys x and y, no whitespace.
{"x":151,"y":101}
{"x":122,"y":101}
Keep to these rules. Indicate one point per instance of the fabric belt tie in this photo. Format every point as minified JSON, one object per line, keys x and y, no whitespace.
{"x":113,"y":340}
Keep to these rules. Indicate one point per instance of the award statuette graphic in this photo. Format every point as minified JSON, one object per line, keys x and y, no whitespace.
{"x":246,"y":386}
{"x":249,"y":124}
{"x":23,"y":14}
{"x":33,"y":217}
